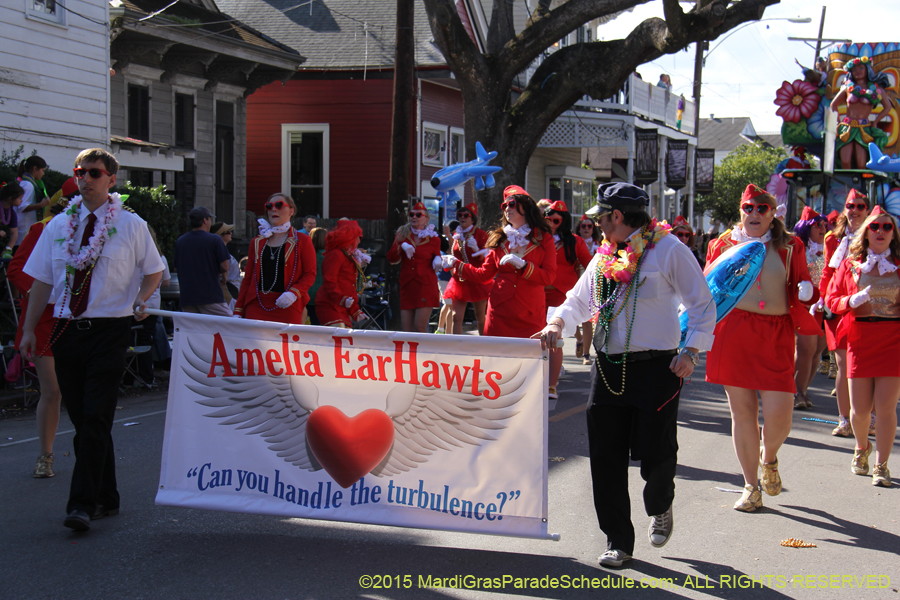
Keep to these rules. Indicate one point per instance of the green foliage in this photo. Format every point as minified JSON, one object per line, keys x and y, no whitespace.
{"x":160,"y":211}
{"x":797,"y":134}
{"x":751,"y":163}
{"x":9,"y":168}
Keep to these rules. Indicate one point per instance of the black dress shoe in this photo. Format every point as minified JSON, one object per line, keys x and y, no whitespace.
{"x":101,"y":511}
{"x":78,"y":520}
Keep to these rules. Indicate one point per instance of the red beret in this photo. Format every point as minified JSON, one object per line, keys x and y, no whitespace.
{"x":558,"y":206}
{"x":808,"y":214}
{"x":855,"y":194}
{"x":418,"y":206}
{"x":472,"y":208}
{"x":514,"y":190}
{"x":752,"y":192}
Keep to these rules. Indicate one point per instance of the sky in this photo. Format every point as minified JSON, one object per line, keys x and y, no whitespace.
{"x":744,"y":70}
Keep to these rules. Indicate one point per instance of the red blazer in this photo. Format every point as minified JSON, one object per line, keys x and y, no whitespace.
{"x":481,"y":237}
{"x":418,"y":268}
{"x":831,"y":244}
{"x":518,"y":294}
{"x":843,"y":285}
{"x":14,"y":271}
{"x":794,"y":259}
{"x":339,"y":274}
{"x":567,"y":274}
{"x":299,"y":251}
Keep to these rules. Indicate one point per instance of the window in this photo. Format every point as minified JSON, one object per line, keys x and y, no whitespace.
{"x":566,"y":184}
{"x":457,"y":146}
{"x":138,"y":112}
{"x":184,"y":121}
{"x":51,"y":11}
{"x":140,"y":177}
{"x":434,"y":144}
{"x":305,"y":160}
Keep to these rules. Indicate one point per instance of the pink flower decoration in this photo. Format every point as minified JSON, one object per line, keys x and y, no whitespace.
{"x":796,"y":100}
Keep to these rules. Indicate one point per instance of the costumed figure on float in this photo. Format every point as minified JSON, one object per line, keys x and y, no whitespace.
{"x":866,"y":290}
{"x":343,"y":277}
{"x":754,"y":344}
{"x":281,"y":267}
{"x":521,"y":262}
{"x":469,"y":247}
{"x":417,"y":248}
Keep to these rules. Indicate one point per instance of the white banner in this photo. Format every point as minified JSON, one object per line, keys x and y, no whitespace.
{"x":390,"y":428}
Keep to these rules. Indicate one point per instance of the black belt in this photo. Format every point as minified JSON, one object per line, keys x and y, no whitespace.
{"x":877,"y":319}
{"x":640,"y":356}
{"x":86,"y":324}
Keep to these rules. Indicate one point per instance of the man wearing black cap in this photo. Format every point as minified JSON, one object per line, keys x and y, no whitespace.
{"x":639,"y":369}
{"x":201,"y":261}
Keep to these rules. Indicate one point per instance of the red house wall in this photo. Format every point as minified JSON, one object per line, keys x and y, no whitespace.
{"x":442,"y":105}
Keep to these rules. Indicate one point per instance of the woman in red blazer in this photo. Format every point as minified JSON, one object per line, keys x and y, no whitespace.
{"x":856,"y":211}
{"x":521,"y":263}
{"x":417,"y":248}
{"x":337,"y":301}
{"x":468,"y":247}
{"x":572,"y":256}
{"x":753,"y":349}
{"x":281,"y":267}
{"x":866,"y":290}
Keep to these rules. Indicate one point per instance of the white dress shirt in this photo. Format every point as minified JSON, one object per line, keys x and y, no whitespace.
{"x":669,"y":274}
{"x":127,"y":255}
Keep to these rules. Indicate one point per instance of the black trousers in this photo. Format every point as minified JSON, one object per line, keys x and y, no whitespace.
{"x":89,"y":366}
{"x":641,"y":425}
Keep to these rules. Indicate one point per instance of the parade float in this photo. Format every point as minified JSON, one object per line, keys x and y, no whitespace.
{"x":859,"y":84}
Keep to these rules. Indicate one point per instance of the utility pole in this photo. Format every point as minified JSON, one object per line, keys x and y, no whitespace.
{"x":401,"y":136}
{"x":819,"y":40}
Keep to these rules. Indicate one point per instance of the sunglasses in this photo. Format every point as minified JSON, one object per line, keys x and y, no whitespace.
{"x":554,"y":220}
{"x":94,"y":173}
{"x":760,"y":208}
{"x":683,"y":235}
{"x":511,"y":203}
{"x":416,"y":214}
{"x":586,"y":225}
{"x":277,"y":205}
{"x":859,"y":207}
{"x":463,"y":215}
{"x":886,"y":227}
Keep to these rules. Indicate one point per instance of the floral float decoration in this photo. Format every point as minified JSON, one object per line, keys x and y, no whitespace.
{"x":802,"y":106}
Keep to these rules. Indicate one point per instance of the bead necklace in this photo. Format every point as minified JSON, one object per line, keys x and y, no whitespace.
{"x":360,"y":276}
{"x":257,"y":272}
{"x":277,"y":255}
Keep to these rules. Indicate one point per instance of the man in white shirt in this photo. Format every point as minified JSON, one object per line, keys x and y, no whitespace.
{"x":639,"y":369}
{"x":108,"y":250}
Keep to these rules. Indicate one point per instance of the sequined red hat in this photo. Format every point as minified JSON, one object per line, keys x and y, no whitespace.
{"x":472,"y":208}
{"x":855,"y":194}
{"x":877,"y":211}
{"x":558,"y":206}
{"x":418,"y":206}
{"x":753,"y":191}
{"x":808,"y":214}
{"x":514,"y":190}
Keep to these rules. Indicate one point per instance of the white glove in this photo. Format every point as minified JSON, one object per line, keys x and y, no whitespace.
{"x":408,"y":248}
{"x":817,"y":307}
{"x":860,"y":298}
{"x":348,"y":302}
{"x":472,"y":243}
{"x":482,"y":252}
{"x":458,"y":237}
{"x":804,"y":291}
{"x":236,"y":317}
{"x":437,"y":264}
{"x":513,"y":260}
{"x":363,"y":317}
{"x":448,"y":260}
{"x":285,"y":300}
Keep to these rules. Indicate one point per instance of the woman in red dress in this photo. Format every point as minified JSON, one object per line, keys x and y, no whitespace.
{"x":337,"y":301}
{"x":811,"y":230}
{"x":866,"y":290}
{"x":521,"y":263}
{"x":572,"y":257}
{"x":417,"y":248}
{"x":590,"y":234}
{"x":753,"y":351}
{"x":281,"y":267}
{"x":468,"y":247}
{"x":856,"y":210}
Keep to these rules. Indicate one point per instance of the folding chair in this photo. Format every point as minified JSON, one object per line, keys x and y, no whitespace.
{"x":131,"y":360}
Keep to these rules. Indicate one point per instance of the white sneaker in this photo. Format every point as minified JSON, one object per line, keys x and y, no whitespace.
{"x":562,"y":370}
{"x":614,"y":558}
{"x":661,"y":527}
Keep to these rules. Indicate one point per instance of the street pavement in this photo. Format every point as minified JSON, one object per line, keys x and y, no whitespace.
{"x":150,"y":552}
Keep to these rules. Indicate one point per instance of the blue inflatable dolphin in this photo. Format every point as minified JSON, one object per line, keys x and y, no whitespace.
{"x":449,"y":178}
{"x":878,"y":161}
{"x":729,"y":278}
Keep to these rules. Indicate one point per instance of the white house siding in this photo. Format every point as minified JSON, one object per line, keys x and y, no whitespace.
{"x":205,"y":144}
{"x":548,"y":157}
{"x":54,"y":81}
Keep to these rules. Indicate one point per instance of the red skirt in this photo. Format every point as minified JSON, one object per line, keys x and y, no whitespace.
{"x":835,"y":334}
{"x":330,"y":315}
{"x":42,"y":331}
{"x":753,"y":351}
{"x":415,"y":294}
{"x":467,"y":291}
{"x":508,"y":320}
{"x":554,"y":297}
{"x":292,"y":315}
{"x":872,"y":349}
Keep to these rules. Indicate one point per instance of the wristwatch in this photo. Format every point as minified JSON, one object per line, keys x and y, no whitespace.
{"x":695,"y":357}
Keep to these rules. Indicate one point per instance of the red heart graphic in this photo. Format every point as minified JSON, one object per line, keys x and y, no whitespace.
{"x":349,"y":448}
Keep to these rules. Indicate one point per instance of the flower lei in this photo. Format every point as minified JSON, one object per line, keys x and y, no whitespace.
{"x":619,"y":265}
{"x":871,"y":93}
{"x":80,"y":257}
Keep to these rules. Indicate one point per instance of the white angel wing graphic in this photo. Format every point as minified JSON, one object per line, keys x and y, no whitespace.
{"x":275,"y":408}
{"x":428,"y":419}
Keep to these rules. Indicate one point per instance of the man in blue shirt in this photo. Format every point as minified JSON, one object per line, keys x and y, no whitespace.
{"x":201,"y":260}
